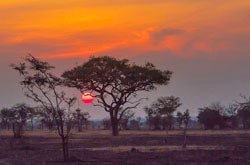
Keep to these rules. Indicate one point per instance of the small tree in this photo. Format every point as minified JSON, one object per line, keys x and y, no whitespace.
{"x":81,"y":119}
{"x":243,"y":112}
{"x":46,"y":117}
{"x":186,"y":119}
{"x":166,"y":106}
{"x":19,"y":116}
{"x":124,"y":121}
{"x":115,"y":83}
{"x":244,"y":115}
{"x":5,"y":115}
{"x":149,"y":112}
{"x":179,"y":119}
{"x":46,"y":89}
{"x":209,"y":117}
{"x":135,"y":124}
{"x":106,"y":123}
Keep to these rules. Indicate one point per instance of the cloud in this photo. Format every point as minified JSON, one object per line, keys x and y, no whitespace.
{"x":159,"y":35}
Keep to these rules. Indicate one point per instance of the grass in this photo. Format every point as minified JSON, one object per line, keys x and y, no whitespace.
{"x":150,"y":147}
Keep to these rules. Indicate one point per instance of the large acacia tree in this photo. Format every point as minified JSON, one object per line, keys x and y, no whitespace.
{"x":115,"y":83}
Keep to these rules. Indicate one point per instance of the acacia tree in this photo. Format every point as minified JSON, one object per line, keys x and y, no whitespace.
{"x":43,"y":87}
{"x":80,"y":119}
{"x":5,"y":116}
{"x":209,"y":117}
{"x":19,"y":115}
{"x":115,"y":83}
{"x":166,"y":106}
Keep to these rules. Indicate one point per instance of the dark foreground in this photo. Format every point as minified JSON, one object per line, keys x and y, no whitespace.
{"x":131,"y":147}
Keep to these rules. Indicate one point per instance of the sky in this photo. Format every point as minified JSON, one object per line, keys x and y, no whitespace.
{"x":205,"y":43}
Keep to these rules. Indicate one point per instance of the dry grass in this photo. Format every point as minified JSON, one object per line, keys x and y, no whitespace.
{"x":150,"y":147}
{"x":107,"y":133}
{"x":118,"y":149}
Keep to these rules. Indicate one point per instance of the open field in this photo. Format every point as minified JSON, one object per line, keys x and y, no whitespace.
{"x":131,"y":147}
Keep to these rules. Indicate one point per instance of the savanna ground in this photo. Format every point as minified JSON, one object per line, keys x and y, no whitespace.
{"x":130,"y":147}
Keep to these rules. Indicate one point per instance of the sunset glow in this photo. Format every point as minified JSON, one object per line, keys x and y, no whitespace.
{"x":79,"y":28}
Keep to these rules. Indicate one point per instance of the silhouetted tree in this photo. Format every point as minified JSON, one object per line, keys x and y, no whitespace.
{"x":149,"y":112}
{"x":230,"y":118}
{"x":124,"y":121}
{"x":5,"y":116}
{"x":115,"y":83}
{"x":106,"y":123}
{"x":244,"y":112}
{"x":33,"y":114}
{"x":19,"y":116}
{"x":209,"y":117}
{"x":217,"y":106}
{"x":166,"y":106}
{"x":186,"y":119}
{"x":135,"y":124}
{"x":244,"y":115}
{"x":153,"y":118}
{"x":46,"y":117}
{"x":81,"y":119}
{"x":179,"y":119}
{"x":46,"y":89}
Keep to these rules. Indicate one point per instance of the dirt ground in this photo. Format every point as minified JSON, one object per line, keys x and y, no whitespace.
{"x":130,"y":147}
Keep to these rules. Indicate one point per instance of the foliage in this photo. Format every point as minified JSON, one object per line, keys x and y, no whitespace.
{"x":161,"y":112}
{"x":16,"y":117}
{"x":5,"y":116}
{"x":81,"y":119}
{"x":115,"y":83}
{"x":243,"y":112}
{"x":124,"y":121}
{"x":209,"y":117}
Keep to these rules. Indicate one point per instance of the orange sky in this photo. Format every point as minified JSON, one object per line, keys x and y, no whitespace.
{"x":206,"y":43}
{"x":80,"y":28}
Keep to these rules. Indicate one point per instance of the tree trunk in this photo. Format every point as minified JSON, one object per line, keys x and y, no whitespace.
{"x":65,"y":148}
{"x":185,"y":137}
{"x":79,"y":125}
{"x":114,"y":125}
{"x":17,"y":130}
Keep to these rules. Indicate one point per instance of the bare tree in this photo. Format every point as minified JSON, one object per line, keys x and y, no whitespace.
{"x":43,"y":87}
